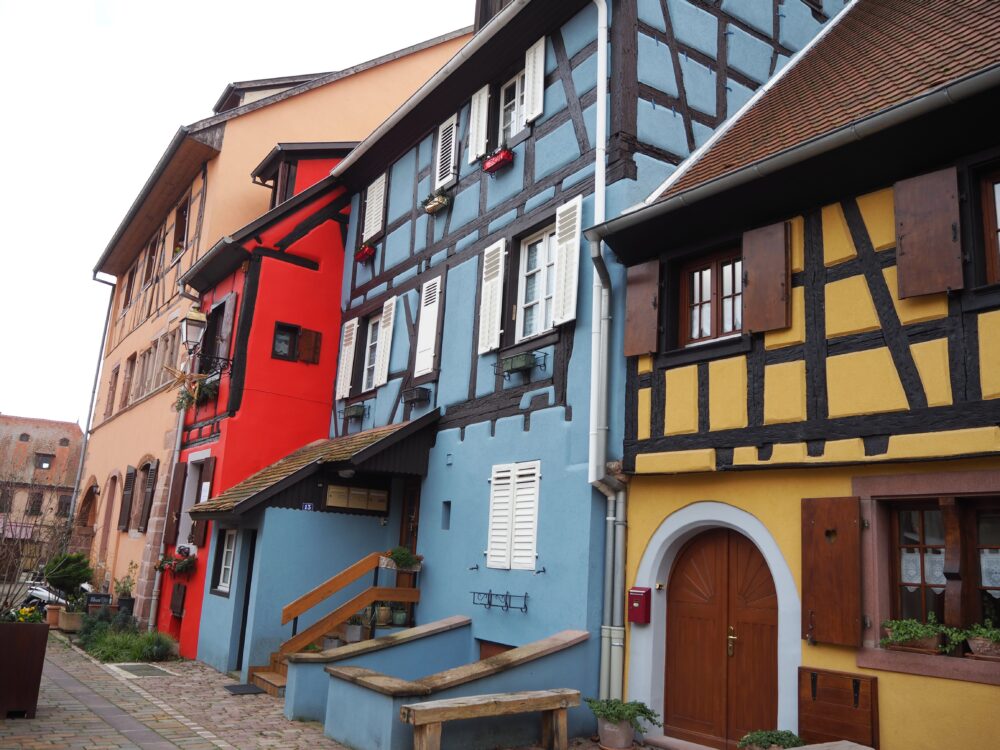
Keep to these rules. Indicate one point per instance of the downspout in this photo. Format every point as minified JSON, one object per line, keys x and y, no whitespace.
{"x":612,"y":632}
{"x":93,"y":397}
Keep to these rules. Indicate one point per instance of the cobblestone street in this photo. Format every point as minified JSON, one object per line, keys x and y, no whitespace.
{"x":85,"y":705}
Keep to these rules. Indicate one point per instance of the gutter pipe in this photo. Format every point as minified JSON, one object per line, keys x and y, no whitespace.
{"x":612,"y":630}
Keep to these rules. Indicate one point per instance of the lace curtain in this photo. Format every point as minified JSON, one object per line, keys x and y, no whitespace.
{"x":989,"y":568}
{"x":909,"y":569}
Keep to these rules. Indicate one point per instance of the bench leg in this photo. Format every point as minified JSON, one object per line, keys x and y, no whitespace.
{"x":427,"y":737}
{"x":555,"y":735}
{"x":546,"y":729}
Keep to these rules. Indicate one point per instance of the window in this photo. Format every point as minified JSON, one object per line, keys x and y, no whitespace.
{"x":512,"y":112}
{"x":370,"y":353}
{"x":181,"y":227}
{"x":285,"y":341}
{"x":989,"y":186}
{"x":365,"y":346}
{"x":6,"y":501}
{"x":35,"y":504}
{"x":24,"y":437}
{"x":711,"y":299}
{"x":374,"y":210}
{"x":63,"y":510}
{"x":513,"y":523}
{"x":988,"y":557}
{"x":44,"y":460}
{"x":535,"y":284}
{"x":919,"y":563}
{"x":127,"y":382}
{"x":128,"y":289}
{"x":151,"y":251}
{"x":224,"y":558}
{"x":63,"y":442}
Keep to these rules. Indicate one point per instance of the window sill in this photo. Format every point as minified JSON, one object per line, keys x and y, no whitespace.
{"x":981,"y":298}
{"x":705,"y":352}
{"x":944,"y":667}
{"x":540,"y":341}
{"x":219,"y":592}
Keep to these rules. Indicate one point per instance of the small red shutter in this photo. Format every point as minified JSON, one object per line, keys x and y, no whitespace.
{"x":928,"y":236}
{"x":127,"y":492}
{"x":831,"y":571}
{"x":174,"y":503}
{"x":148,"y":492}
{"x":642,"y":317}
{"x":309,"y":343}
{"x":766,"y":279}
{"x":200,"y":528}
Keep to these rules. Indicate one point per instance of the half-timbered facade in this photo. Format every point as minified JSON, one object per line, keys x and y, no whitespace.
{"x":811,"y":415}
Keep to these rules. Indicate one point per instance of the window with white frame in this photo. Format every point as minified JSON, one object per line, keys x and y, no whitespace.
{"x":365,"y":346}
{"x":536,"y":283}
{"x":512,"y":112}
{"x":513,"y":524}
{"x":224,"y":566}
{"x":370,"y":352}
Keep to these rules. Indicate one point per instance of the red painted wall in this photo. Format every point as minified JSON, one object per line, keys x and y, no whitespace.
{"x":308,"y":173}
{"x":285,"y":404}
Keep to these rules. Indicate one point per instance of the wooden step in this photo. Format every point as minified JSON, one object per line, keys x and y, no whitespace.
{"x":271,"y":683}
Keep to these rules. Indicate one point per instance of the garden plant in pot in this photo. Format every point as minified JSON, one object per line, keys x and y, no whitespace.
{"x":984,"y":639}
{"x":929,"y":636}
{"x":770,"y":739}
{"x":618,"y":721}
{"x":124,"y":587}
{"x":68,"y":573}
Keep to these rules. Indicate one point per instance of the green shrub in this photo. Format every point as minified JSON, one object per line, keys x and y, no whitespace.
{"x":984,"y":630}
{"x":68,"y":572}
{"x":403,"y":557}
{"x":155,"y":646}
{"x":118,"y":639}
{"x":903,"y":631}
{"x":766,"y":738}
{"x":616,"y":711}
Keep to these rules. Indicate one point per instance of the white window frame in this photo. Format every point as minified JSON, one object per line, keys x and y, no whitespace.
{"x":370,"y":360}
{"x":548,"y":237}
{"x":519,"y":119}
{"x":226,"y":568}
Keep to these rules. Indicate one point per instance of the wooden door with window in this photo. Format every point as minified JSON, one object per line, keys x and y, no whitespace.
{"x":722,"y":642}
{"x":408,"y":526}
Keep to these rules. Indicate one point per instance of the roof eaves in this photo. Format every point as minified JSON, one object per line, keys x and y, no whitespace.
{"x":260,"y":83}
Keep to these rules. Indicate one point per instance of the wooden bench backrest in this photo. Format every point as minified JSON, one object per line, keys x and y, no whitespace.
{"x":495,"y":704}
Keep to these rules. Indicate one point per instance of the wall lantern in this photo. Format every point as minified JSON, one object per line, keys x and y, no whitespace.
{"x":193,"y":327}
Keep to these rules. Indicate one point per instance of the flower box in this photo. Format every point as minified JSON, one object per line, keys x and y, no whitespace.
{"x":22,"y":655}
{"x":519,"y":362}
{"x":70,"y":622}
{"x":354,"y":411}
{"x":984,"y":647}
{"x":416,"y":395}
{"x":435,"y":203}
{"x":499,"y":159}
{"x":388,"y":563}
{"x":364,"y":253}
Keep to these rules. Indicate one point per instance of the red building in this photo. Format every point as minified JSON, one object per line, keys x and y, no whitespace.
{"x":271,"y":294}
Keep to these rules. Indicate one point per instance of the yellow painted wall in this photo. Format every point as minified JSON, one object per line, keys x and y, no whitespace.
{"x":989,"y":353}
{"x":837,"y":243}
{"x":644,"y":401}
{"x":681,"y":409}
{"x":915,"y":309}
{"x":727,"y":393}
{"x":878,"y":211}
{"x":931,"y":358}
{"x":960,"y":714}
{"x":785,"y":392}
{"x":849,"y":307}
{"x":797,"y":227}
{"x":863,"y":383}
{"x":796,"y":332}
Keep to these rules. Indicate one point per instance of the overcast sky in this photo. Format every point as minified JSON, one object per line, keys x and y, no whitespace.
{"x":92,"y":92}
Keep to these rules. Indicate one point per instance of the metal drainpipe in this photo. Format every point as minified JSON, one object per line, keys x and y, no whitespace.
{"x":618,"y":617}
{"x":93,"y":396}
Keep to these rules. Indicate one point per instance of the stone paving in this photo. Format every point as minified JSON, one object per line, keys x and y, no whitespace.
{"x":86,"y":705}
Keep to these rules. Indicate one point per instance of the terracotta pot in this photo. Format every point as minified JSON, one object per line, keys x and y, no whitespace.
{"x":984,"y":646}
{"x":383,"y":615}
{"x":22,"y":654}
{"x":70,"y":622}
{"x":52,"y":614}
{"x":620,"y":736}
{"x":930,"y":643}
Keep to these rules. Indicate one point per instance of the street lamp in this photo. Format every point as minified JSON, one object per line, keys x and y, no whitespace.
{"x":193,"y":327}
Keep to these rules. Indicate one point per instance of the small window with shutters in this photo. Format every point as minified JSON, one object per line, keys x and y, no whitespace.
{"x":365,"y":349}
{"x":989,"y":189}
{"x":373,"y":214}
{"x":446,"y":154}
{"x":711,"y":298}
{"x":285,"y":344}
{"x":512,"y":535}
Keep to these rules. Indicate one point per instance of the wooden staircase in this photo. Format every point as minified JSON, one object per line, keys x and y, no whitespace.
{"x":272,"y":677}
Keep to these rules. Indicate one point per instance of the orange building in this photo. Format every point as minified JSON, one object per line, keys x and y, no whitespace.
{"x":199,"y":192}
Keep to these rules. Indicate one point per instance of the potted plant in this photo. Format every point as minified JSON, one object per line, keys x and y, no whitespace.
{"x":68,"y":573}
{"x":71,"y":616}
{"x":352,"y":630}
{"x":23,"y":638}
{"x":364,"y":253}
{"x":984,"y":639}
{"x":399,"y":616}
{"x":618,"y":721}
{"x":124,"y":587}
{"x":913,"y":634}
{"x":184,"y":565}
{"x":499,"y":159}
{"x":436,"y":201}
{"x":383,"y":613}
{"x":401,"y":559}
{"x":770,"y":739}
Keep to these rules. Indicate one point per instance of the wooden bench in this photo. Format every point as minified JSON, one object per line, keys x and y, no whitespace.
{"x":428,"y":717}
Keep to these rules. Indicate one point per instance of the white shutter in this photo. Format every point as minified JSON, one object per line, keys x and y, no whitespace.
{"x":568,"y":218}
{"x":479,"y":111}
{"x":491,"y":297}
{"x":384,"y":346}
{"x":430,"y":299}
{"x":345,"y":367}
{"x":374,"y":208}
{"x":534,"y":80}
{"x":524,"y":533}
{"x":447,"y":161}
{"x":501,"y":516}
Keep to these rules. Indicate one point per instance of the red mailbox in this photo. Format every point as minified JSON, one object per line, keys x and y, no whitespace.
{"x":639,"y":598}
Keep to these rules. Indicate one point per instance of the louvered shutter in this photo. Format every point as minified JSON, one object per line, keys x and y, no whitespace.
{"x":501,"y":516}
{"x":199,"y":530}
{"x":384,"y":347}
{"x":374,"y":209}
{"x":525,"y":517}
{"x":345,"y":367}
{"x":174,"y":501}
{"x":430,"y":301}
{"x":534,"y":80}
{"x":445,"y":166}
{"x":479,"y":120}
{"x":149,"y":491}
{"x":567,"y":261}
{"x":127,"y":491}
{"x":491,"y":297}
{"x":224,"y":335}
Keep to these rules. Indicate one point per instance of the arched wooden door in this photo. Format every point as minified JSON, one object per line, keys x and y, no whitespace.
{"x":722,"y":642}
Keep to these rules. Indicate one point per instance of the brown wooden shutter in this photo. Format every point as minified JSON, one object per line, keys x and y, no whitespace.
{"x":642,"y":318}
{"x":225,"y":332}
{"x":199,"y":529}
{"x":174,"y":503}
{"x":309,"y":343}
{"x":838,"y":706}
{"x":177,"y":596}
{"x":767,"y":279}
{"x":928,"y":234}
{"x":831,"y":571}
{"x":127,"y":491}
{"x":149,"y":492}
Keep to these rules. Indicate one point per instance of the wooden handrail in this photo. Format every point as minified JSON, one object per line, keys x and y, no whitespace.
{"x":340,"y":615}
{"x":344,"y":578}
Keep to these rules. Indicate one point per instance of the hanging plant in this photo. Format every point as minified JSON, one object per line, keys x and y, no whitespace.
{"x":364,"y":253}
{"x":502,"y":157}
{"x":436,"y":201}
{"x":184,"y":565}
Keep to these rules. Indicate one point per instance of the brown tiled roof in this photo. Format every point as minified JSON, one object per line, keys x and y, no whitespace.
{"x":880,"y":54}
{"x":318,"y":452}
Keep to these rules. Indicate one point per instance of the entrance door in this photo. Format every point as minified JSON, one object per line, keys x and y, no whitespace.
{"x":408,"y":525}
{"x":722,"y":642}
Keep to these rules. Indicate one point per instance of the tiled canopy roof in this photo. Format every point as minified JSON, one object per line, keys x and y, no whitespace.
{"x":880,"y":54}
{"x":318,"y":452}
